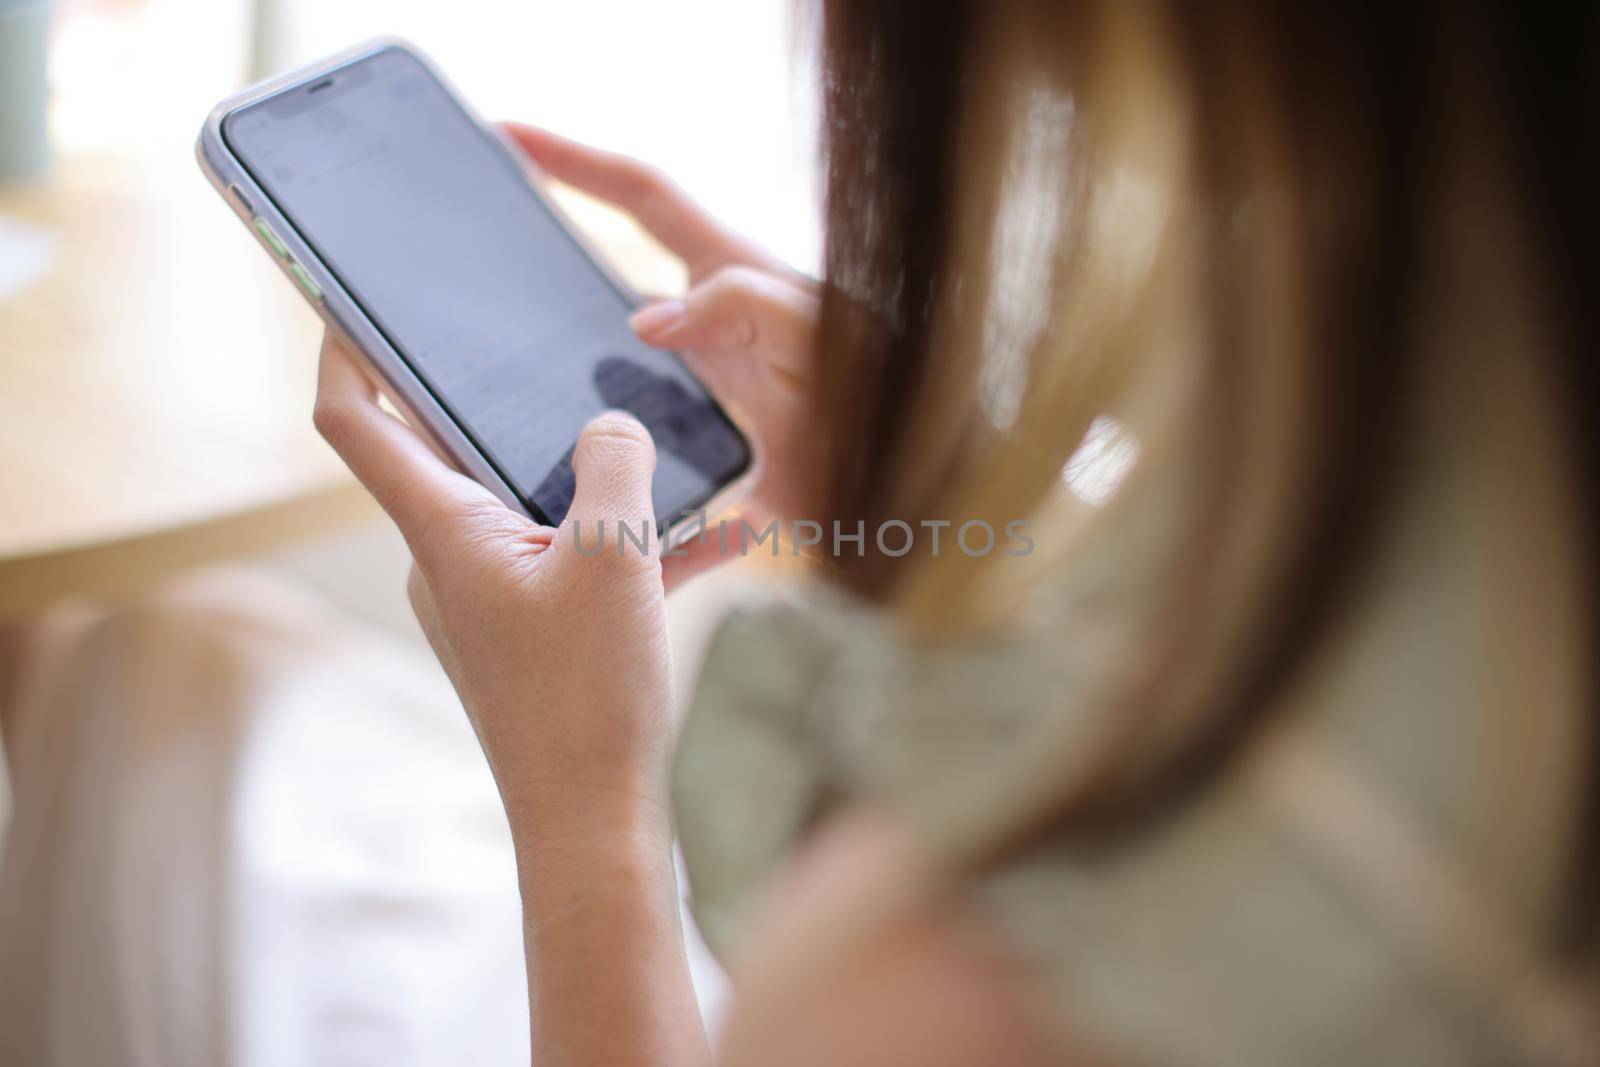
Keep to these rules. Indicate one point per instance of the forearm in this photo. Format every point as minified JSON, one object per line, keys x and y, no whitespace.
{"x":608,"y":978}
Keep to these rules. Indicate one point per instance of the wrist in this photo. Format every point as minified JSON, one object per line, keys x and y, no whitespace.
{"x":601,"y":929}
{"x":554,"y":823}
{"x":552,"y":791}
{"x":607,"y":861}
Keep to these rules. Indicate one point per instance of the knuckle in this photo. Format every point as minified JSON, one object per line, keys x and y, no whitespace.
{"x":736,"y":294}
{"x":651,"y":188}
{"x":736,"y":282}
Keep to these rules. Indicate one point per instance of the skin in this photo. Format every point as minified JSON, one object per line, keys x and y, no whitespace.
{"x":562,"y":664}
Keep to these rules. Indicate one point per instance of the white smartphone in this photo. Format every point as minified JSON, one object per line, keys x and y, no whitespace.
{"x":417,"y":232}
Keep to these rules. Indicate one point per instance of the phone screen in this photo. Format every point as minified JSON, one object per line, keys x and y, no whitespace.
{"x":430,"y":225}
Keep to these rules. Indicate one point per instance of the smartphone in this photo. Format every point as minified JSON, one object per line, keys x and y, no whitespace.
{"x":419,"y":234}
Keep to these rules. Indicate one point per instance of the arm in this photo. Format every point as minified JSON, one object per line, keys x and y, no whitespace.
{"x":608,"y":981}
{"x":561,"y":663}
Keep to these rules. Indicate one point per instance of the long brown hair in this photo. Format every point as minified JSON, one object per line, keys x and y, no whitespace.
{"x":1285,"y":160}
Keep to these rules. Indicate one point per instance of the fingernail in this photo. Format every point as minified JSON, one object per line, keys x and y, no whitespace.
{"x":657,"y":318}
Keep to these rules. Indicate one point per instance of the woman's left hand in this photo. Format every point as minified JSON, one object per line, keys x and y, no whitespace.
{"x":561,"y":659}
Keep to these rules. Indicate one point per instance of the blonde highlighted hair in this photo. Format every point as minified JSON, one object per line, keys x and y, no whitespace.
{"x":1215,"y":224}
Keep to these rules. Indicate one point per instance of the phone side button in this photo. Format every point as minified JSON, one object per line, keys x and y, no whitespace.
{"x":307,"y":284}
{"x":272,"y":240}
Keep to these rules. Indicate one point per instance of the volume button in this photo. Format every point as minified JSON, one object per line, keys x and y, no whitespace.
{"x":273,"y":241}
{"x":308,"y":284}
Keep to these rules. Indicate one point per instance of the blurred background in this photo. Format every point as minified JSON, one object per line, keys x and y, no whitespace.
{"x":704,"y":88}
{"x":156,"y":378}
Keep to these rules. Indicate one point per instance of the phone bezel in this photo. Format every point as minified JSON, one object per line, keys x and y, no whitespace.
{"x":342,"y":312}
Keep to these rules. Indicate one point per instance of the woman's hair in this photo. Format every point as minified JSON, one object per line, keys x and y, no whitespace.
{"x":1246,"y":232}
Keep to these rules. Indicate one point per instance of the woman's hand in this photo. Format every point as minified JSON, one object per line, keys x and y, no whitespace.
{"x":561,"y":661}
{"x":745,"y":325}
{"x":560,"y":658}
{"x":747,"y":332}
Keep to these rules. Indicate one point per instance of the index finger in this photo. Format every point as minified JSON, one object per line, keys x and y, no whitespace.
{"x":666,"y":211}
{"x":397,"y":467}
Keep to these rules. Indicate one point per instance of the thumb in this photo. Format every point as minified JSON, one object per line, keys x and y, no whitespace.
{"x":613,"y":462}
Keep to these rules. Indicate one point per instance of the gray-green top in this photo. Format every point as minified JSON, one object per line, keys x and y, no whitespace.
{"x":1352,"y":894}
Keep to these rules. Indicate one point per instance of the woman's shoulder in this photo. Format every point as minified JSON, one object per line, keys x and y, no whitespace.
{"x":1231,"y":934}
{"x":811,"y":700}
{"x":860,"y":955}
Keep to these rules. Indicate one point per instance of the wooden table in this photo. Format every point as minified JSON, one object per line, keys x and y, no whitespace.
{"x":156,"y":386}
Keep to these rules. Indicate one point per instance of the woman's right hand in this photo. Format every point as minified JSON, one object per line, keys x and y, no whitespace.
{"x":745,"y":325}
